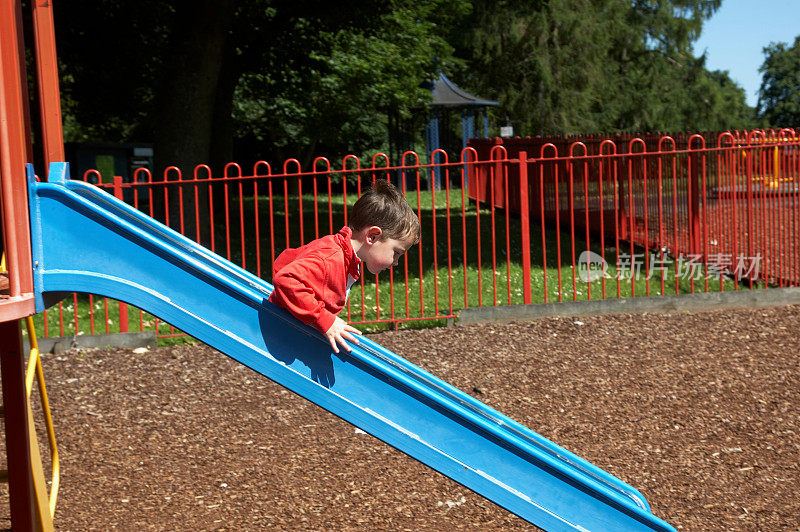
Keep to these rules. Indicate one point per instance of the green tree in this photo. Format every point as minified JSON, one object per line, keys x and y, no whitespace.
{"x":270,"y":79}
{"x":336,"y":98}
{"x":288,"y":78}
{"x":779,"y":95}
{"x":585,"y":66}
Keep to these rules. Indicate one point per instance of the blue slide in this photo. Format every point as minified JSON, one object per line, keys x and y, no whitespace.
{"x":85,"y":240}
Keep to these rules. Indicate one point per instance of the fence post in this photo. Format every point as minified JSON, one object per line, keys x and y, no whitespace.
{"x":620,"y":202}
{"x":524,"y":212}
{"x":750,"y":154}
{"x":695,"y":172}
{"x":499,"y":186}
{"x":123,"y":307}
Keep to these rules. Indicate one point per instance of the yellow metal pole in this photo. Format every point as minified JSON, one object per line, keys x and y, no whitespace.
{"x":777,"y":177}
{"x":45,"y":507}
{"x":48,"y":418}
{"x":44,"y":521}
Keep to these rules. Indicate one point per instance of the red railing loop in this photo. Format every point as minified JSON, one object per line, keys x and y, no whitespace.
{"x":257,"y":166}
{"x":226,"y":171}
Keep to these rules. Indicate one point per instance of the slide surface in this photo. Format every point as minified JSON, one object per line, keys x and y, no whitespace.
{"x":85,"y":240}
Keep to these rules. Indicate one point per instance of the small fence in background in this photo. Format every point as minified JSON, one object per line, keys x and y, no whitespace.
{"x":512,"y":221}
{"x":728,"y":201}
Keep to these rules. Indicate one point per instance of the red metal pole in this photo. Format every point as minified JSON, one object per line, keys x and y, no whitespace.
{"x":619,"y":223}
{"x":20,"y":478}
{"x":508,"y":236}
{"x":377,"y":280}
{"x":316,"y":205}
{"x":165,"y":176}
{"x":660,"y":218}
{"x":646,"y":239}
{"x":631,"y":221}
{"x":435,"y":245}
{"x":721,"y":207}
{"x":750,"y":222}
{"x":196,"y":204}
{"x":123,"y":307}
{"x":449,"y":246}
{"x":75,"y":311}
{"x":571,"y":191}
{"x":765,"y":216}
{"x":330,"y":203}
{"x":796,"y":202}
{"x":478,"y":247}
{"x":405,"y":255}
{"x":769,"y":181}
{"x":344,"y":201}
{"x":675,"y":214}
{"x":182,"y":224}
{"x":272,"y":225}
{"x":493,"y":179}
{"x":257,"y":227}
{"x":734,"y":199}
{"x":299,"y":208}
{"x":361,"y":279}
{"x":586,"y":221}
{"x":602,"y":223}
{"x":228,"y":215}
{"x":542,"y":224}
{"x":419,"y":247}
{"x":47,"y":69}
{"x":702,"y":202}
{"x":783,"y":227}
{"x":211,"y":211}
{"x":91,"y":314}
{"x":525,"y":223}
{"x":241,"y":224}
{"x":558,"y":227}
{"x":464,"y":238}
{"x":14,"y":152}
{"x":694,"y":211}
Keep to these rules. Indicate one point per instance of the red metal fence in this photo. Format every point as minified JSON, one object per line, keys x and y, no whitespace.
{"x":587,"y":218}
{"x":728,"y":200}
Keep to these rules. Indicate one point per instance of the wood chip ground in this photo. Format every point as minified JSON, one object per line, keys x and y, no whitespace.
{"x":698,"y":411}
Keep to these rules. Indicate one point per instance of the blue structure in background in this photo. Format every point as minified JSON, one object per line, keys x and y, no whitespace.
{"x":448,"y":98}
{"x":85,"y":240}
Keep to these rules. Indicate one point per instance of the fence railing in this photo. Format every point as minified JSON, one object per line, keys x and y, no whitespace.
{"x":522,"y":221}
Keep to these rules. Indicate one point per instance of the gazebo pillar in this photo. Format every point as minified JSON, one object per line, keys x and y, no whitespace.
{"x":448,"y":98}
{"x":467,"y":126}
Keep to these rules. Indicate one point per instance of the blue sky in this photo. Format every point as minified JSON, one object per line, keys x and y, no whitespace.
{"x":736,"y":34}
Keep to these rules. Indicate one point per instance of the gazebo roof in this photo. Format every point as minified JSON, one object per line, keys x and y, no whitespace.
{"x":448,"y":94}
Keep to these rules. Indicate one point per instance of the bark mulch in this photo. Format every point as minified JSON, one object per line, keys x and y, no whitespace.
{"x":699,"y":411}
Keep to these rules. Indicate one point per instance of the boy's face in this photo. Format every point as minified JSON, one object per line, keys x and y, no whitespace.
{"x":382,"y":254}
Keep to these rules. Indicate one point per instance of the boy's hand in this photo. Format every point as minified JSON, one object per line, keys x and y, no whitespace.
{"x":339,"y":332}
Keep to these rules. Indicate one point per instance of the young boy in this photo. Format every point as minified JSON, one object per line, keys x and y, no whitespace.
{"x":313,"y":281}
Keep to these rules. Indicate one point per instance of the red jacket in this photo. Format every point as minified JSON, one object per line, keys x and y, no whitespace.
{"x":311,"y":281}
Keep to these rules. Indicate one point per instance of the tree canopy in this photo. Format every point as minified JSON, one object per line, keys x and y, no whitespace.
{"x":212,"y":80}
{"x":584,"y":66}
{"x":779,"y":96}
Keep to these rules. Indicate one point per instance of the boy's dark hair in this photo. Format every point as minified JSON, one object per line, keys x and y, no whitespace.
{"x":386,"y":207}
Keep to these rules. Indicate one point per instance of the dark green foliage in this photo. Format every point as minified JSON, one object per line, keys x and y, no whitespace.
{"x":587,"y":66}
{"x":779,"y":96}
{"x":331,"y":92}
{"x":212,"y":81}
